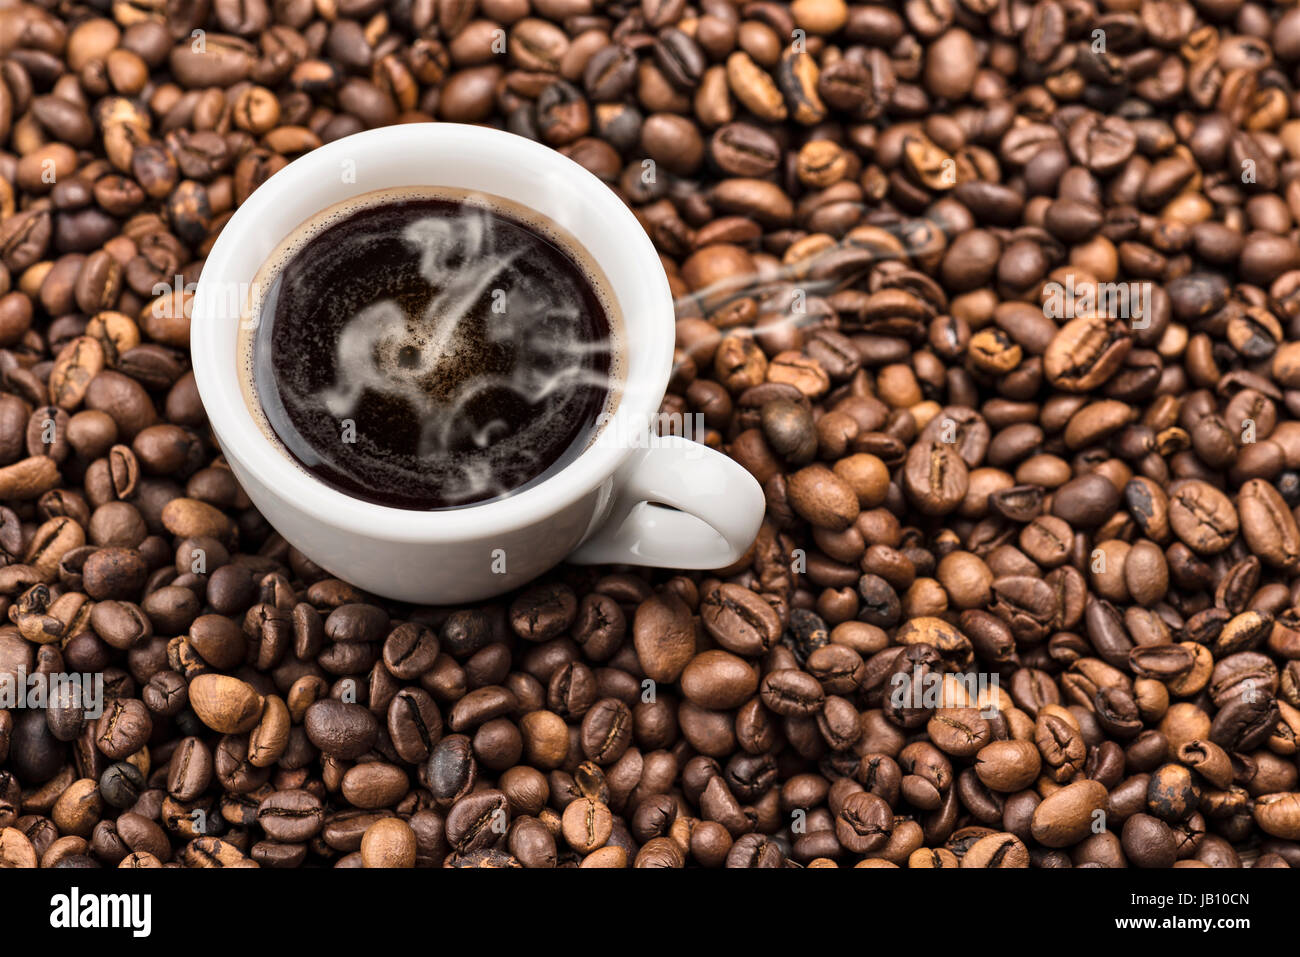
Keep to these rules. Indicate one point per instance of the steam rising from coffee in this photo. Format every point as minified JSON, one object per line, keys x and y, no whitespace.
{"x":467,"y":348}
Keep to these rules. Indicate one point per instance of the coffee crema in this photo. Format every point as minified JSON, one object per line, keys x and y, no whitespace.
{"x":429,"y":349}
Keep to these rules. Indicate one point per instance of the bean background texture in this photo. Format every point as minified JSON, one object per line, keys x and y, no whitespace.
{"x":999,"y":302}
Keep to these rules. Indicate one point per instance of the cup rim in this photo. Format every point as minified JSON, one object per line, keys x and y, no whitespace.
{"x":243,"y":441}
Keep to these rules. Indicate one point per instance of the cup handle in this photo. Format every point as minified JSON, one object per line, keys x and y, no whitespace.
{"x":715,"y":508}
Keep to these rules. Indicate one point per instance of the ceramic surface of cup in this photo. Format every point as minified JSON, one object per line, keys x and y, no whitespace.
{"x":609,"y":500}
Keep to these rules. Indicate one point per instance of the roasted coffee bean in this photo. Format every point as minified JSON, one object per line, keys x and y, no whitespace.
{"x":341,"y":730}
{"x":864,"y":823}
{"x":935,"y":478}
{"x":291,"y":816}
{"x":477,"y":821}
{"x":1149,"y":841}
{"x":606,"y":731}
{"x":741,"y":149}
{"x":124,"y":728}
{"x":664,"y":636}
{"x":190,"y":771}
{"x":389,"y":842}
{"x":224,"y":704}
{"x":121,"y":785}
{"x":1172,"y":793}
{"x":414,"y":724}
{"x":740,"y":620}
{"x":1203,"y":517}
{"x":451,"y":770}
{"x":1067,"y":816}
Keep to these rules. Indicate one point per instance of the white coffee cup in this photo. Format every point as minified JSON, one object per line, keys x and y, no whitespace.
{"x":606,"y":506}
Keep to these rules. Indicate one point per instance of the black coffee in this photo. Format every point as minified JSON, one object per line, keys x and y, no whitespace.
{"x":431,"y":353}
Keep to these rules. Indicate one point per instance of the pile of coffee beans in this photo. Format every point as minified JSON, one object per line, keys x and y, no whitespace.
{"x":999,"y":300}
